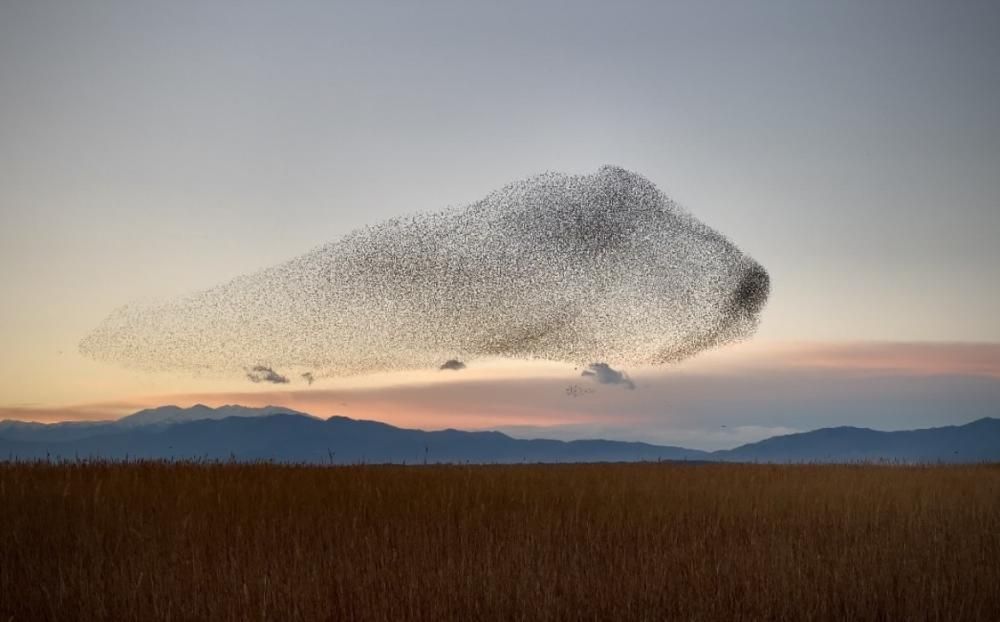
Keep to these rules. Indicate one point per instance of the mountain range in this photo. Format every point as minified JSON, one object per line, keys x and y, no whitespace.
{"x":285,"y":435}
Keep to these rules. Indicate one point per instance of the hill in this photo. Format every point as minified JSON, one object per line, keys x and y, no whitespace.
{"x":296,"y":437}
{"x":285,"y":435}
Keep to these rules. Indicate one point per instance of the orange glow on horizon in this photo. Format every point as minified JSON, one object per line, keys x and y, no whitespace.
{"x":481,"y":397}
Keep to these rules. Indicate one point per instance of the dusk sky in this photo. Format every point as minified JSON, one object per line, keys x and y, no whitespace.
{"x":154,"y":149}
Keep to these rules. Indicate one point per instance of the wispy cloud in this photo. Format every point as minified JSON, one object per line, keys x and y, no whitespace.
{"x":98,"y":411}
{"x":896,"y":358}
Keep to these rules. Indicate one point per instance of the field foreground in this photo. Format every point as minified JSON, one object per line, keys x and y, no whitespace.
{"x":158,"y":541}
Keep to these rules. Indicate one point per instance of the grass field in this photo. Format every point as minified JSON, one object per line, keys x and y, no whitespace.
{"x":158,"y":541}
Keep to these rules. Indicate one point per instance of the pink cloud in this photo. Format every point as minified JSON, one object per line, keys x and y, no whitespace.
{"x":918,"y":359}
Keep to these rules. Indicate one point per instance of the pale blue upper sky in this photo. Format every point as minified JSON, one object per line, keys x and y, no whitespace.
{"x":153,"y":148}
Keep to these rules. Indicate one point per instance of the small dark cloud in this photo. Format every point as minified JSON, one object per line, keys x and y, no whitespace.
{"x":605,"y":374}
{"x":453,"y":364}
{"x":575,"y":390}
{"x":308,"y":377}
{"x":262,"y":373}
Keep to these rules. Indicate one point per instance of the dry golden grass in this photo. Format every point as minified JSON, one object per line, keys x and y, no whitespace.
{"x":156,"y":541}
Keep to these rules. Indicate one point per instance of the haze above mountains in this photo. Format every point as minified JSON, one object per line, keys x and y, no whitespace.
{"x":285,"y":435}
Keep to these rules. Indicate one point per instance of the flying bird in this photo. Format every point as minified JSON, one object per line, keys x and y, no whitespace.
{"x":574,"y":268}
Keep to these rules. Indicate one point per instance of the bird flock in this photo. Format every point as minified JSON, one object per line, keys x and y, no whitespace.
{"x":590,"y":268}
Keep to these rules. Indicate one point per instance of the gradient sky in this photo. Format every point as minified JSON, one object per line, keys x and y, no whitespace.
{"x":149,"y":149}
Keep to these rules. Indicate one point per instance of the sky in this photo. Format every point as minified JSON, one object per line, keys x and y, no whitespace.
{"x":153,"y":149}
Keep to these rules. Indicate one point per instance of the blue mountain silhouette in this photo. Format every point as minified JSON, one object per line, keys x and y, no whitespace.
{"x":284,"y":435}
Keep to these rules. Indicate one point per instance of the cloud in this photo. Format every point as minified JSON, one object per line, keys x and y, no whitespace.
{"x":866,"y":358}
{"x":99,"y":411}
{"x":453,"y":364}
{"x":605,"y":374}
{"x":308,"y":377}
{"x":261,"y":373}
{"x":575,"y":390}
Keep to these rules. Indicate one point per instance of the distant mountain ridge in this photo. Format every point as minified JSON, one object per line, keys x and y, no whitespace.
{"x":977,"y":441}
{"x":285,"y":435}
{"x":176,"y":414}
{"x":160,"y":416}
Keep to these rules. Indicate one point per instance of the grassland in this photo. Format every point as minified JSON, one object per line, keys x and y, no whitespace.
{"x":158,"y":541}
